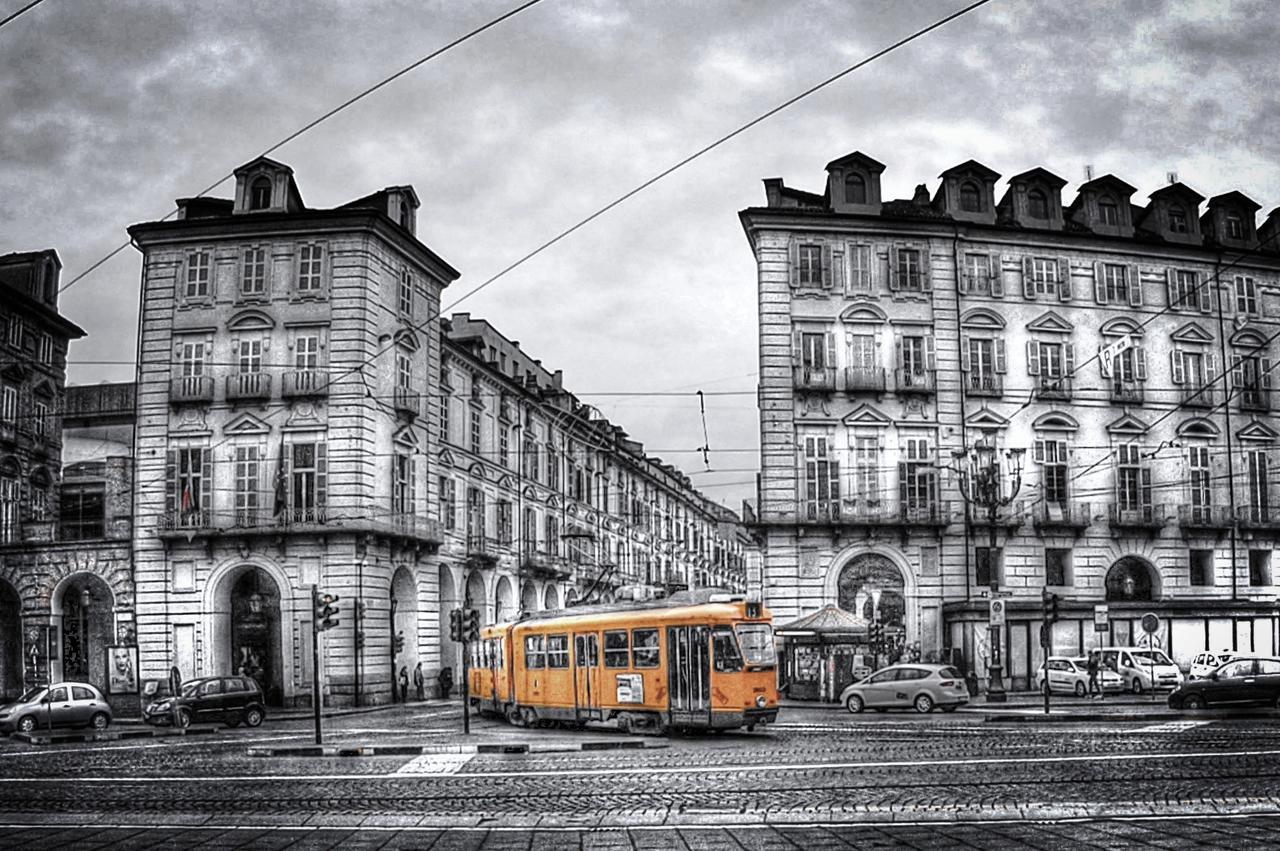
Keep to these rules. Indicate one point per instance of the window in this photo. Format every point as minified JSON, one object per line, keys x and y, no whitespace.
{"x":39,"y":496}
{"x":448,"y":503}
{"x":617,"y":649}
{"x":9,"y":405}
{"x":557,"y":651}
{"x":1200,"y":483}
{"x":908,"y":274}
{"x":1258,"y":487}
{"x":191,"y":483}
{"x":724,"y":647}
{"x":1184,"y":291}
{"x":9,"y":504}
{"x":1051,"y":453}
{"x":860,"y":280}
{"x":310,"y":266}
{"x":866,"y":472}
{"x":402,"y":484}
{"x":1115,"y":279}
{"x":1037,"y":204}
{"x":476,"y":445}
{"x":404,"y":370}
{"x":986,"y":566}
{"x":308,"y":481}
{"x":506,"y":532}
{"x":306,"y":352}
{"x":406,"y":292}
{"x":15,"y":331}
{"x":475,"y":515}
{"x":855,"y":188}
{"x":81,"y":693}
{"x":1133,"y":480}
{"x":249,"y":356}
{"x":1177,"y":219}
{"x":977,"y":273}
{"x":504,"y":446}
{"x":40,"y":420}
{"x":247,"y":466}
{"x":645,"y":651}
{"x":1246,"y":295}
{"x":535,"y":654}
{"x":970,"y":198}
{"x":552,"y":527}
{"x":1202,"y":567}
{"x":44,"y":349}
{"x":809,"y":272}
{"x":1057,"y":567}
{"x":191,"y":360}
{"x":822,"y":480}
{"x":918,"y":479}
{"x":82,"y":512}
{"x":1259,"y":567}
{"x":260,"y":194}
{"x":915,"y":361}
{"x":197,"y":274}
{"x":1235,"y":226}
{"x":985,"y":360}
{"x":1054,"y":363}
{"x":1108,"y":211}
{"x":1044,"y":277}
{"x":1251,"y":376}
{"x":253,"y":272}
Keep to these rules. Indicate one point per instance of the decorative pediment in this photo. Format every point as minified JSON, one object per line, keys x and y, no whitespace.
{"x":477,"y":470}
{"x":1120,"y":326}
{"x":864,"y":313}
{"x":1056,"y":421}
{"x":867,"y":415}
{"x":1192,"y":333}
{"x":405,"y":338}
{"x":407,"y":436}
{"x":981,"y":318}
{"x":1249,"y":337}
{"x":251,"y":319}
{"x":44,"y":389}
{"x":246,"y":423}
{"x":985,"y":418}
{"x":1198,"y":427}
{"x":506,"y":483}
{"x":572,"y":509}
{"x":1128,"y":424}
{"x":1050,"y":323}
{"x":446,"y":458}
{"x":13,"y":372}
{"x":554,"y":501}
{"x":1257,"y":430}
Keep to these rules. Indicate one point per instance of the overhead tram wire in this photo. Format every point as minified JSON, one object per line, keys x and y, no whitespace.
{"x":422,"y":326}
{"x":325,"y":117}
{"x":26,"y":8}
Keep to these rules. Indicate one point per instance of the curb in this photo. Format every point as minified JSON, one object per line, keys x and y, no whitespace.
{"x":107,"y":736}
{"x":441,"y":750}
{"x":1149,"y":717}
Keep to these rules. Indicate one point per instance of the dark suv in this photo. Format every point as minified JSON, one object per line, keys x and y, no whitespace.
{"x":211,"y":699}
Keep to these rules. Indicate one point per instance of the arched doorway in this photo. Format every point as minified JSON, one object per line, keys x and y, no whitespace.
{"x":250,"y":639}
{"x":448,"y":603}
{"x":10,"y":642}
{"x":551,"y":598}
{"x":1132,"y":580}
{"x":86,"y":606}
{"x":504,"y":601}
{"x":529,"y":599}
{"x":477,"y":598}
{"x":871,"y":586}
{"x":404,"y":623}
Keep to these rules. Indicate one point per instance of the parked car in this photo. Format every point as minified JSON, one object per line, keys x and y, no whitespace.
{"x":1142,"y":668}
{"x":228,"y":700}
{"x":1070,"y":674}
{"x":1206,"y":662}
{"x":912,"y":686}
{"x":66,"y":704}
{"x":1240,"y":682}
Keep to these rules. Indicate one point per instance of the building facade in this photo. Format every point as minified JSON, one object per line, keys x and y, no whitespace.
{"x":1124,"y":353}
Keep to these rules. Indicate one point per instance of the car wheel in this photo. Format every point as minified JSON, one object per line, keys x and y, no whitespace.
{"x":100,"y":721}
{"x":854,"y":704}
{"x":27,"y":725}
{"x":1079,"y":689}
{"x":253,"y":716}
{"x":1193,"y":701}
{"x":184,"y":718}
{"x":1135,"y":685}
{"x":923,"y":704}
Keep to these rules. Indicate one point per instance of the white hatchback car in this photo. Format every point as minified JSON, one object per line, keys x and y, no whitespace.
{"x":1206,"y":663}
{"x":1070,"y":675}
{"x":916,"y":686}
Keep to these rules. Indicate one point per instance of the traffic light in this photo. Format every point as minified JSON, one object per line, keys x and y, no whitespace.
{"x":876,"y":633}
{"x":326,"y":610}
{"x":1050,"y":601}
{"x":471,"y":625}
{"x":455,"y":625}
{"x":397,"y":642}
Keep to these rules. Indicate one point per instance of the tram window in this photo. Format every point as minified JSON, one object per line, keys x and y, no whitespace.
{"x":616,"y":649}
{"x":535,"y":658}
{"x":644,"y":643}
{"x":557,"y":651}
{"x":497,"y":654}
{"x":727,"y":657}
{"x":757,"y":644}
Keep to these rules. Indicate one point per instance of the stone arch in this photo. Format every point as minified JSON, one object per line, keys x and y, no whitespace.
{"x":870,"y":580}
{"x":528,"y":598}
{"x":404,"y":618}
{"x":477,"y":596}
{"x":10,"y":641}
{"x":551,"y":597}
{"x":1133,"y":579}
{"x":449,"y":600}
{"x":504,"y":601}
{"x":82,"y":608}
{"x":248,"y":605}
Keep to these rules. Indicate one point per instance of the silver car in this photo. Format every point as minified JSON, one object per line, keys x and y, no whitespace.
{"x":59,"y":705}
{"x":908,"y":686}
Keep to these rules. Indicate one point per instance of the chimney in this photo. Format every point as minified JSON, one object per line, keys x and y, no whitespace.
{"x":1088,"y":172}
{"x":921,"y":198}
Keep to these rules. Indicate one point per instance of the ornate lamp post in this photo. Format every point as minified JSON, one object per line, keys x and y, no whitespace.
{"x":982,"y":486}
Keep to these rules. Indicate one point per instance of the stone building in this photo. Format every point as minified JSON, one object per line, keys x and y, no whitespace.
{"x":283,"y":443}
{"x":1126,"y":349}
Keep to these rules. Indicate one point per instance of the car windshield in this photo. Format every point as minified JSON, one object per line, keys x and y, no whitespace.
{"x":757,"y":644}
{"x":1151,"y":657}
{"x":32,"y":694}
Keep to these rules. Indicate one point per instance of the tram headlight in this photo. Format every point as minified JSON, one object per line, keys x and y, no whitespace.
{"x":761,"y":701}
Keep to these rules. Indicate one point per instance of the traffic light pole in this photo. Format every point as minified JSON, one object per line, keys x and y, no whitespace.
{"x":315,"y":663}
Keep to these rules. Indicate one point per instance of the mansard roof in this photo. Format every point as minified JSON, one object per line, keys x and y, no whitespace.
{"x":1108,"y":181}
{"x":1177,"y":190}
{"x":1234,"y":198}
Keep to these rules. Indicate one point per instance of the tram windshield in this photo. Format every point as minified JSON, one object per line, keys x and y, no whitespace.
{"x":757,"y":644}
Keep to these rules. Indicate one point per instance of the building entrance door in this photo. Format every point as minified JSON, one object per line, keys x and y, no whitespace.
{"x":255,"y":632}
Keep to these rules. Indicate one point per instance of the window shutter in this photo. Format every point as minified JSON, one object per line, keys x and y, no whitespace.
{"x":171,"y":483}
{"x":1237,"y":374}
{"x":1170,"y":287}
{"x":1135,"y":286}
{"x":902,"y":486}
{"x":1069,"y":359}
{"x":1266,"y":374}
{"x":206,"y":480}
{"x":797,"y":344}
{"x":322,"y":477}
{"x":1177,"y":367}
{"x":826,"y":265}
{"x":1037,"y":451}
{"x":897,"y":352}
{"x":1001,"y":360}
{"x":794,"y":250}
{"x":1028,"y":278}
{"x":1146,"y":488}
{"x":965,"y":364}
{"x":1099,"y":283}
{"x":1033,"y":357}
{"x":997,"y":276}
{"x":1140,"y":362}
{"x":926,"y":280}
{"x":831,"y":350}
{"x":1210,"y":370}
{"x":1204,"y":288}
{"x":1064,"y":280}
{"x":893,"y":267}
{"x":930,"y":354}
{"x":1104,"y":365}
{"x":833,"y":468}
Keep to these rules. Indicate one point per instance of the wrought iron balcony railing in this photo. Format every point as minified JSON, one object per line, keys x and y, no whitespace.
{"x":191,"y":388}
{"x":248,"y":386}
{"x":822,"y":378}
{"x":864,"y":378}
{"x":304,"y":382}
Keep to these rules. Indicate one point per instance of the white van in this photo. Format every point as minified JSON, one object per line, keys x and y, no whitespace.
{"x":1142,"y":669}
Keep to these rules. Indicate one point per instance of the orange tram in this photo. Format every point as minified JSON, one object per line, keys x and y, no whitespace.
{"x":702,"y":661}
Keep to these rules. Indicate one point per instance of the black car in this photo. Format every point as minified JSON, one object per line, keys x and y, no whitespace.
{"x":1240,"y":682}
{"x":228,"y":700}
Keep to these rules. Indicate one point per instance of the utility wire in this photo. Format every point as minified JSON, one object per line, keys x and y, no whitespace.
{"x":26,"y":8}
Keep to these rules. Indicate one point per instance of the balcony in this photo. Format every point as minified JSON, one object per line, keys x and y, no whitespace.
{"x":1204,"y":517}
{"x":248,"y":387}
{"x":1054,"y":388}
{"x":1205,"y":396}
{"x":191,"y":388}
{"x":815,"y":378}
{"x":543,"y":565}
{"x":915,"y":380}
{"x":482,"y":551}
{"x":241,"y":523}
{"x":859,"y":379}
{"x":932,"y":514}
{"x":1148,"y":517}
{"x":1063,"y":514}
{"x":984,"y":384}
{"x":1126,"y":393}
{"x":303,"y":383}
{"x":1258,"y":516}
{"x":1254,"y":399}
{"x":407,"y":402}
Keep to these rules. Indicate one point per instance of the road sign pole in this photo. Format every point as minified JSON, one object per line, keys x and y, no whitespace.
{"x":315,"y":664}
{"x":466,"y":685}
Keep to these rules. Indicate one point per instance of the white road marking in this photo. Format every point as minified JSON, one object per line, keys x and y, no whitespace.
{"x":1171,"y":727}
{"x":163,"y":742}
{"x":435,"y":765}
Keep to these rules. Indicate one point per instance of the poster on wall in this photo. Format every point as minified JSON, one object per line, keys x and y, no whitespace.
{"x":630,"y":688}
{"x":122,"y":669}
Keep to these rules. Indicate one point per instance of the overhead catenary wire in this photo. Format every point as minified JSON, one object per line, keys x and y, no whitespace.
{"x":24,"y":9}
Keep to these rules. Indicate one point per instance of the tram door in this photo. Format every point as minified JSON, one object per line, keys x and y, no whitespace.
{"x":586,"y":676}
{"x":689,"y":672}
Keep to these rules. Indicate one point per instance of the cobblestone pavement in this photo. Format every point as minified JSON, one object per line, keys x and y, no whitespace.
{"x":819,"y":779}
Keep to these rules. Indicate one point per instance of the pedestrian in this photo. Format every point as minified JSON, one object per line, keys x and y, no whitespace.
{"x":419,"y":682}
{"x":445,"y":681}
{"x":1092,"y":667}
{"x":404,"y":685}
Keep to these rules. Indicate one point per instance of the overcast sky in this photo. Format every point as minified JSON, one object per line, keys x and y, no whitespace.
{"x":109,"y":111}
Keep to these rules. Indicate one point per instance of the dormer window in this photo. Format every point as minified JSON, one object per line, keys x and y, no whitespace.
{"x":1177,"y":219}
{"x":1235,"y":226}
{"x":404,"y":213}
{"x":1108,"y":211}
{"x":855,"y":188}
{"x":970,"y":198}
{"x":1037,"y":204}
{"x":260,"y":194}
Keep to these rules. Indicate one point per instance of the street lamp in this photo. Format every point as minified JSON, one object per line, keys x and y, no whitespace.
{"x":982,"y":486}
{"x":86,"y":600}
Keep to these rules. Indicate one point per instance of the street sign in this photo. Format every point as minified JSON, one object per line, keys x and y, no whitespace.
{"x":1107,"y":354}
{"x":1150,"y":624}
{"x":1101,"y":618}
{"x":996,"y":611}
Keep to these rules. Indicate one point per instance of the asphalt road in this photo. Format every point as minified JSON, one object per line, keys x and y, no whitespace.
{"x":821,"y":778}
